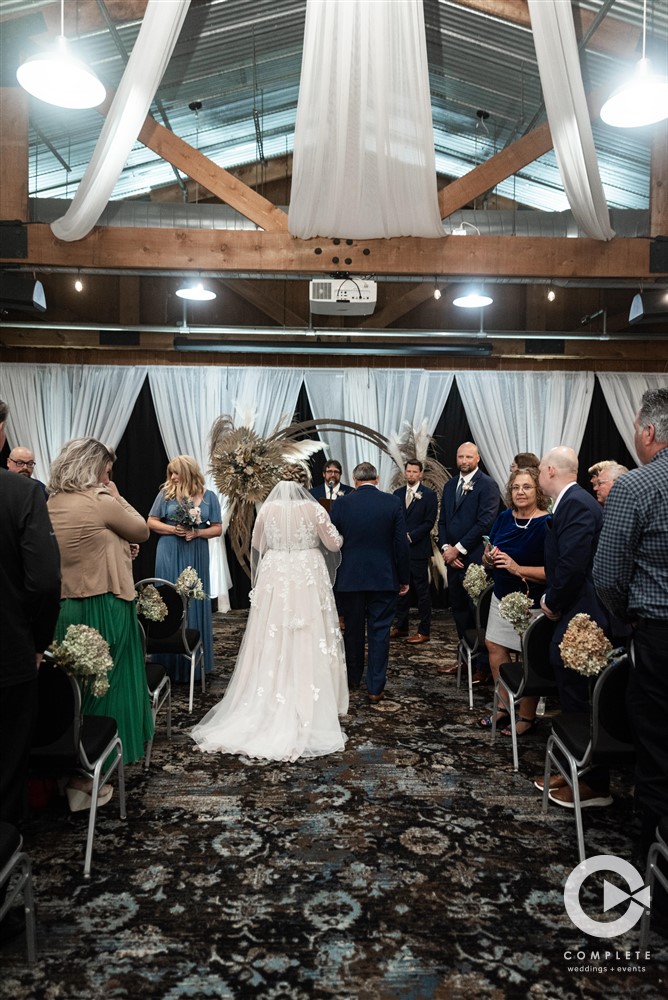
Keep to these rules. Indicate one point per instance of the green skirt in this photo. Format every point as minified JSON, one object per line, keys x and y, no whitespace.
{"x":127,"y":700}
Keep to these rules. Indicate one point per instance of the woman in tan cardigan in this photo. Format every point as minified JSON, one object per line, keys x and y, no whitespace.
{"x":97,"y":531}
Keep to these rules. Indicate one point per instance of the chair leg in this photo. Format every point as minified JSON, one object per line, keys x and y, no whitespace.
{"x":549,"y":750}
{"x":192,"y":683}
{"x":577,"y":809}
{"x":169,"y":712}
{"x":29,"y":908}
{"x":147,"y":754}
{"x":121,"y":782}
{"x":469,"y":668}
{"x":91,"y":819}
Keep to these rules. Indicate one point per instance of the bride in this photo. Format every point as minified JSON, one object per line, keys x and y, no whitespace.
{"x":289,"y":684}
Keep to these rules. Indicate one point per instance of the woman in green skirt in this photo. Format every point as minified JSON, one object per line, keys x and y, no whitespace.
{"x":98,"y":533}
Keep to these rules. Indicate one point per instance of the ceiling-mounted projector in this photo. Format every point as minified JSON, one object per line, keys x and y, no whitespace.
{"x":649,"y":307}
{"x":342,"y":296}
{"x":17,"y":291}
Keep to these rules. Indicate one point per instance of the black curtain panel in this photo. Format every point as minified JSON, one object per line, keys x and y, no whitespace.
{"x":601,"y":439}
{"x":452,"y":430}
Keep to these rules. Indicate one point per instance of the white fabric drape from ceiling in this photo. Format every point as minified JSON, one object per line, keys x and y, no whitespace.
{"x":188,"y":400}
{"x":384,"y":400}
{"x":363,"y":162}
{"x":510,"y":412}
{"x":51,"y":404}
{"x":568,"y":115}
{"x":623,"y":391}
{"x":147,"y":63}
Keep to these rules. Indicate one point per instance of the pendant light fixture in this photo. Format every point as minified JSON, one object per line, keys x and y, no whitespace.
{"x":474,"y":298}
{"x":58,"y":77}
{"x":642,"y":99}
{"x":195,"y":293}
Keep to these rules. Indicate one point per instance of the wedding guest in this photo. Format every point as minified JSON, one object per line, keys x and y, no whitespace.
{"x":515,"y":555}
{"x":22,"y":460}
{"x":595,"y":470}
{"x":608,"y":475}
{"x":331,"y":487}
{"x":524,"y":460}
{"x":421,"y":505}
{"x":289,"y":682}
{"x":95,"y":529}
{"x":186,"y":515}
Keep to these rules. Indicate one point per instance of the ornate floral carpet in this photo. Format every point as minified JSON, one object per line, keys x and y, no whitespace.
{"x":415,"y":864}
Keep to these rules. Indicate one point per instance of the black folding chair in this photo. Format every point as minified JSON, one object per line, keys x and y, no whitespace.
{"x":654,"y":873}
{"x":472,"y":642}
{"x":172,"y":635}
{"x":67,"y":742}
{"x":15,"y":865}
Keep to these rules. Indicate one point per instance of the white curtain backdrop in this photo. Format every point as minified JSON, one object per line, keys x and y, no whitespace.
{"x":151,"y":52}
{"x":188,"y":400}
{"x":568,"y":115}
{"x":51,"y":404}
{"x":524,"y":411}
{"x":382,"y":400}
{"x":622,"y":391}
{"x":363,"y":163}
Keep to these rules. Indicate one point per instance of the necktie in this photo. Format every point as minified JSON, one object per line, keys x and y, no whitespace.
{"x":409,"y":497}
{"x":460,"y":490}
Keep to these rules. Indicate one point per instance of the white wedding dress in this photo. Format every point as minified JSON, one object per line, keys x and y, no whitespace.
{"x":289,"y":684}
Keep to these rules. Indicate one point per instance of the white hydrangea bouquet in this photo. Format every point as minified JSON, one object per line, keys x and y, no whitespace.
{"x":475,"y":581}
{"x":189,"y":585}
{"x":585,"y":646}
{"x":85,"y":655}
{"x":516,"y":609}
{"x":150,"y":604}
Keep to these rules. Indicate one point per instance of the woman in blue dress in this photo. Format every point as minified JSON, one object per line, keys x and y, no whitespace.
{"x":186,"y":515}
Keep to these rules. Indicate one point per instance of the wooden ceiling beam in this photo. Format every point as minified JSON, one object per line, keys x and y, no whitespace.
{"x":255,"y":293}
{"x":414,"y":296}
{"x":257,"y":252}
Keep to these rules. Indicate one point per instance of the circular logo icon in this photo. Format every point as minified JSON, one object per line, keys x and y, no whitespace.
{"x":638,"y":896}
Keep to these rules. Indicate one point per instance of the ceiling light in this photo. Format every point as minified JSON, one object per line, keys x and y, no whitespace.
{"x":78,"y":285}
{"x":58,"y":77}
{"x":473,"y":299}
{"x":437,"y":291}
{"x":195,"y":293}
{"x":642,"y":99}
{"x":551,"y":295}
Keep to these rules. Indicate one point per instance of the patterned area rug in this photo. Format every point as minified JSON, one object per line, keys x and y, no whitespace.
{"x":414,"y":864}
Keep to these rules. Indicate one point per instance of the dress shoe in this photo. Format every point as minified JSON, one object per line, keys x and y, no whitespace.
{"x":448,"y":670}
{"x":481,"y":678}
{"x":418,"y":638}
{"x":588,"y":797}
{"x":556,"y":781}
{"x":79,"y":800}
{"x":375,"y":698}
{"x":398,"y":633}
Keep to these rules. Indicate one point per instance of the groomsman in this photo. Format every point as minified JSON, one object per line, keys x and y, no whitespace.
{"x":331,"y":488}
{"x":421,"y":506}
{"x":469,"y":506}
{"x":375,"y":567}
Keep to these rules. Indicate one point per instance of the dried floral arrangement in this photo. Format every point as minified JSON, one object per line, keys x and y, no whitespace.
{"x":150,"y":604}
{"x":475,"y":580}
{"x":516,"y":609}
{"x":585,"y":646}
{"x":189,"y":585}
{"x":85,"y":655}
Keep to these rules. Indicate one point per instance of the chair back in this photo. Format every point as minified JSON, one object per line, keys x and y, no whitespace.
{"x":611,"y":732}
{"x":482,"y":608}
{"x":536,"y":653}
{"x":176,"y":610}
{"x":58,"y":726}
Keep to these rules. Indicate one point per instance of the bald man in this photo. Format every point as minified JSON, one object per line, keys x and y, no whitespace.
{"x":22,"y":460}
{"x":570,"y":545}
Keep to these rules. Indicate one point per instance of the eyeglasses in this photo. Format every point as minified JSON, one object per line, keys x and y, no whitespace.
{"x":20,"y":464}
{"x":521,"y":489}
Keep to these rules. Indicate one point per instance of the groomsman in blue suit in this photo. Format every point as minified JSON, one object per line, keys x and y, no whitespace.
{"x":421,"y":505}
{"x":375,"y":568}
{"x":469,"y":505}
{"x":331,"y":488}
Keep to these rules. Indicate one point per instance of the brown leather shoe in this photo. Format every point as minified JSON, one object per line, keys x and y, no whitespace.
{"x":398,"y":633}
{"x":556,"y":781}
{"x":418,"y":638}
{"x":481,"y":678}
{"x":588,"y":797}
{"x":375,"y":698}
{"x":448,"y":670}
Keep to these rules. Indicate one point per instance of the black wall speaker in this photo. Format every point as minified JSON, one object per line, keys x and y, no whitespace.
{"x":18,"y":291}
{"x":650,"y":306}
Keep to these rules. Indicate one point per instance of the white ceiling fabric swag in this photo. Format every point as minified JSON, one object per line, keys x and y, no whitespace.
{"x":363,"y":163}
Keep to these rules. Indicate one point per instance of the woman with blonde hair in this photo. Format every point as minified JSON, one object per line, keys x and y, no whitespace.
{"x":186,"y":515}
{"x":97,"y":530}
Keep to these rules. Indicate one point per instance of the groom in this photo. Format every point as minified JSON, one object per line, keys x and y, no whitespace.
{"x":374,"y":570}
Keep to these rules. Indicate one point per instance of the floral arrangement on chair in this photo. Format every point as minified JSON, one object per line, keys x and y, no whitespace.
{"x":85,"y":655}
{"x":189,"y":585}
{"x":150,"y":604}
{"x":516,"y":609}
{"x":475,"y":581}
{"x":585,"y":646}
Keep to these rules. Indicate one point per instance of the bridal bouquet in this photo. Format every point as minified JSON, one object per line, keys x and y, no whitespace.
{"x":188,"y":516}
{"x":585,"y":646}
{"x":516,"y":609}
{"x":150,"y":604}
{"x":189,"y":585}
{"x":85,"y":655}
{"x":475,"y":581}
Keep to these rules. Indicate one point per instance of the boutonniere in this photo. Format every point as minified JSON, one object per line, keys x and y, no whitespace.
{"x":417,"y":496}
{"x":467,"y":487}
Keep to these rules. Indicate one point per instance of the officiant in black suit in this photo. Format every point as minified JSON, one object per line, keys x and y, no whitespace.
{"x":374,"y":570}
{"x":421,"y":508}
{"x":469,"y":506}
{"x":331,"y":488}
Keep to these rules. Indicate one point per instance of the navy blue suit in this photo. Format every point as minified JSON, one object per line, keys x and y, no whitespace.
{"x":374,"y":564}
{"x":466,"y":522}
{"x":571,"y":539}
{"x":322,"y":493}
{"x":420,"y":521}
